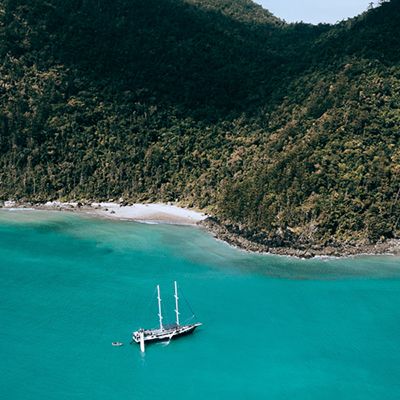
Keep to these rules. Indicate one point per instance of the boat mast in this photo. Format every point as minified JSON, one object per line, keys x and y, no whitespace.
{"x":159,"y":307}
{"x":176,"y":303}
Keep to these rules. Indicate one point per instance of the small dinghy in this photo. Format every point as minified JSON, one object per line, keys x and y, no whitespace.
{"x":117,"y":344}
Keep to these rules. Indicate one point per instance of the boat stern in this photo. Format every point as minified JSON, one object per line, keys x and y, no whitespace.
{"x":136,"y":336}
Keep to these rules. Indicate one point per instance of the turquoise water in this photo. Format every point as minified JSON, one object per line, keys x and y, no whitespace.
{"x":274,"y":327}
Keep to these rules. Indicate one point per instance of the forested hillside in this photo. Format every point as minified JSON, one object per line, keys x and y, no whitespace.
{"x":288,"y":133}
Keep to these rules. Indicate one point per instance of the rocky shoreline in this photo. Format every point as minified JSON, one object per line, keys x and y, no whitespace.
{"x":244,"y":241}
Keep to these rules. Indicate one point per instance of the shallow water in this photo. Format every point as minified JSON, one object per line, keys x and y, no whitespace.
{"x":274,"y":327}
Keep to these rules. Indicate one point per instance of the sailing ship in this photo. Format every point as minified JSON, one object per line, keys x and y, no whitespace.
{"x":164,"y":332}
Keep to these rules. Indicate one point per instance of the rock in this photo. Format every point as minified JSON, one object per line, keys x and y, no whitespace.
{"x":292,"y":245}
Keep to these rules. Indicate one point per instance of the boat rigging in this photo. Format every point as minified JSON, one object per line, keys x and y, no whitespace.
{"x":142,"y":336}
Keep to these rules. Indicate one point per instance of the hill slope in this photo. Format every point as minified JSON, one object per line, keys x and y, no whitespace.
{"x":289,"y":134}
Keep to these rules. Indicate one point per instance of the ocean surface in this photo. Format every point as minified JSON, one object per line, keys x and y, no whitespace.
{"x":273,"y":327}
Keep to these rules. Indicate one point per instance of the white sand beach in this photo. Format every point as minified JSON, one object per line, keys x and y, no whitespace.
{"x":155,"y":212}
{"x":152,"y":213}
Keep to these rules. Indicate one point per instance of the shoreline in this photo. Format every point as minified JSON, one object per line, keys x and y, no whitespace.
{"x":161,"y":213}
{"x":139,"y":212}
{"x":390,"y":247}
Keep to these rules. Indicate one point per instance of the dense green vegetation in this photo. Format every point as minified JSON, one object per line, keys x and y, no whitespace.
{"x":289,"y":133}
